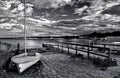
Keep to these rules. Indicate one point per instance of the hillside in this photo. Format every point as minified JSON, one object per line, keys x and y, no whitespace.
{"x":106,"y":34}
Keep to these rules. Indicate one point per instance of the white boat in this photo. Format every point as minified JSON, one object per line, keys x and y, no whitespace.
{"x":24,"y":61}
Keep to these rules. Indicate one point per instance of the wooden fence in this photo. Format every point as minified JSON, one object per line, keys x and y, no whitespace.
{"x":113,"y":47}
{"x":88,"y":49}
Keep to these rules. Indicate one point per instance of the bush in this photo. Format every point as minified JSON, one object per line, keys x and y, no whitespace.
{"x":116,"y":52}
{"x":79,"y":56}
{"x":116,"y":77}
{"x":47,"y":46}
{"x":4,"y":59}
{"x":98,"y":62}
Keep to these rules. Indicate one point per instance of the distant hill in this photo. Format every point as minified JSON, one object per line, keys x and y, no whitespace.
{"x":98,"y":34}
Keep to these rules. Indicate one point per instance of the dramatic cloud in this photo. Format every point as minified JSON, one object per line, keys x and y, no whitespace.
{"x":50,"y":3}
{"x":59,"y":17}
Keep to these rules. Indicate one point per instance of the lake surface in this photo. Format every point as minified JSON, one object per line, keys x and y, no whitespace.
{"x":33,"y":43}
{"x":37,"y":43}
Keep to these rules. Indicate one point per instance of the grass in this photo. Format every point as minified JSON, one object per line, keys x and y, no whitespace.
{"x":59,"y":65}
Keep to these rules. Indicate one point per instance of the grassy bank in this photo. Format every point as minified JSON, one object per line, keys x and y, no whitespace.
{"x":57,"y":65}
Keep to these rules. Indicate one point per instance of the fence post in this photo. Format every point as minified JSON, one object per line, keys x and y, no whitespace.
{"x":104,"y":47}
{"x":76,"y":50}
{"x":109,"y":54}
{"x":68,"y":48}
{"x":92,"y":45}
{"x":58,"y":47}
{"x":18,"y":49}
{"x":62,"y":47}
{"x":88,"y":51}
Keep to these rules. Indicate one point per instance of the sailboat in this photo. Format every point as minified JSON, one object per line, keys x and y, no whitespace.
{"x":25,"y":60}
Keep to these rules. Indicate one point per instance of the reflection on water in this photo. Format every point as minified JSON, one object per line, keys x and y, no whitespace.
{"x":32,"y":43}
{"x":37,"y":43}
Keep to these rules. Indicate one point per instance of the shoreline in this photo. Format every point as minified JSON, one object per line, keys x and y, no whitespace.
{"x":56,"y":61}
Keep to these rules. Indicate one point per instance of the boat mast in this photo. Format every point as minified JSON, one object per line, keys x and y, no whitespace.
{"x":25,"y":26}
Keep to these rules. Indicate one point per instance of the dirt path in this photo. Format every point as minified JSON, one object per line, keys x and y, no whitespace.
{"x":66,"y":67}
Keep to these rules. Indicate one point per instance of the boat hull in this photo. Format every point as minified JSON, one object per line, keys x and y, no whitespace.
{"x":23,"y":62}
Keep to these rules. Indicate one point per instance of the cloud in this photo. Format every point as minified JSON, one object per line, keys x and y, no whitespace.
{"x":80,"y":10}
{"x":58,"y":17}
{"x":19,"y":10}
{"x":50,"y":3}
{"x":57,"y":3}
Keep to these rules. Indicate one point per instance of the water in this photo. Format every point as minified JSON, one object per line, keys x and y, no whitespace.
{"x":36,"y":43}
{"x":31,"y":43}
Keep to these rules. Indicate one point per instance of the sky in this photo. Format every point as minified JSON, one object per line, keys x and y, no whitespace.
{"x":58,"y":17}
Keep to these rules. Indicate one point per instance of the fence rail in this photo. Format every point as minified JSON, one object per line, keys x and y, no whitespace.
{"x":86,"y":49}
{"x":113,"y":47}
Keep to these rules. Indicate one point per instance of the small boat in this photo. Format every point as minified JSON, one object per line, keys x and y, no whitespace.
{"x":24,"y":61}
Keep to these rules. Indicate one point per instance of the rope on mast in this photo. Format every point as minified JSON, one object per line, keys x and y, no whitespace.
{"x":25,"y":25}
